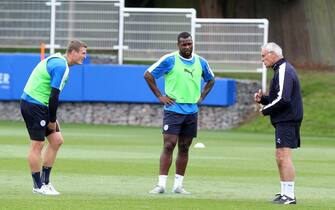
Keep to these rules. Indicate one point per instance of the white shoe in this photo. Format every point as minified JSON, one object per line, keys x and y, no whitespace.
{"x":52,"y":189}
{"x":157,"y":190}
{"x":44,"y":190}
{"x":181,"y":190}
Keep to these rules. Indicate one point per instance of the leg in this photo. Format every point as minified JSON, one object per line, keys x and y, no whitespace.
{"x":181,"y":163}
{"x":170,"y":142}
{"x":55,"y":141}
{"x":287,"y":173}
{"x":171,"y":128}
{"x":34,"y":159}
{"x":182,"y":158}
{"x":34,"y":155}
{"x":285,"y":164}
{"x":287,"y":138}
{"x":35,"y":117}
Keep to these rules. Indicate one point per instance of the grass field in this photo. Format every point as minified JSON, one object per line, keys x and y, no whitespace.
{"x":111,"y":167}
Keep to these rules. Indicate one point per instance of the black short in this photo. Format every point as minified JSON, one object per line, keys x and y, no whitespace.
{"x":180,"y":124}
{"x":287,"y":135}
{"x":36,"y":118}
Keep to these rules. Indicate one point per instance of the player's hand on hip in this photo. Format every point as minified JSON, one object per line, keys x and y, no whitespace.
{"x":258,"y":96}
{"x":166,"y":100}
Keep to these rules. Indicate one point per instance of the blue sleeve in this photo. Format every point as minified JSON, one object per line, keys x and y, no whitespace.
{"x":207,"y":73}
{"x":56,"y":67}
{"x":163,"y":66}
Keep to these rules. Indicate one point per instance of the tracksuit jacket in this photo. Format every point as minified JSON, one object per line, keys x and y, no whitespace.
{"x":284,"y":102}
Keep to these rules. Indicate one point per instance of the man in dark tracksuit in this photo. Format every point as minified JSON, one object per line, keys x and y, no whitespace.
{"x":284,"y":105}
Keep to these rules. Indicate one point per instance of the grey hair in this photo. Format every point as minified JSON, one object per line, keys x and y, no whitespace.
{"x":273,"y":47}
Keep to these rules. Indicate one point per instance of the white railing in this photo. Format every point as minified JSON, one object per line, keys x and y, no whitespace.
{"x":149,"y":33}
{"x":233,"y":45}
{"x":136,"y":34}
{"x":25,"y":24}
{"x":96,"y":22}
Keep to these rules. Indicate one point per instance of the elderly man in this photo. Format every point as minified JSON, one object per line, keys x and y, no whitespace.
{"x":284,"y":105}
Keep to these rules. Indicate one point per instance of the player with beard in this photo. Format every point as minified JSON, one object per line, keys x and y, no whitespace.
{"x":183,"y":71}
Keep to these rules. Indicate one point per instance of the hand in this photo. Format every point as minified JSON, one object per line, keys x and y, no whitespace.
{"x":52,"y":126}
{"x":260,"y":111}
{"x":258,"y":96}
{"x":166,"y":100}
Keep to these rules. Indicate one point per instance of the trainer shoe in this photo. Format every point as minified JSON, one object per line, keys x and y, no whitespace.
{"x":276,"y":198}
{"x":285,"y":200}
{"x":181,"y":190}
{"x":44,"y":190}
{"x":52,"y":189}
{"x":157,"y":190}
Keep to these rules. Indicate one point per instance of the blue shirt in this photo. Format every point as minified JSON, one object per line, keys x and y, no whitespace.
{"x":165,"y":64}
{"x":56,"y":68}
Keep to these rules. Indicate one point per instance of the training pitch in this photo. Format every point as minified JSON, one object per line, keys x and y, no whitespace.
{"x":114,"y":167}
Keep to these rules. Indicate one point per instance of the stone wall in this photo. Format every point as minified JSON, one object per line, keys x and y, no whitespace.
{"x":210,"y":117}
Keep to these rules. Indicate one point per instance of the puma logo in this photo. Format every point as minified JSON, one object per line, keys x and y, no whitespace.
{"x":189,"y":71}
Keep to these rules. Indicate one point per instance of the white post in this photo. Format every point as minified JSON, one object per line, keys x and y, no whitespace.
{"x":264,"y":79}
{"x":53,"y":5}
{"x":193,"y":25}
{"x":265,"y":40}
{"x":121,"y":32}
{"x":52,"y":26}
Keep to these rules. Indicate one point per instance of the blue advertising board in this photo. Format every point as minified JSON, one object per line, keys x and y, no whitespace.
{"x":100,"y":83}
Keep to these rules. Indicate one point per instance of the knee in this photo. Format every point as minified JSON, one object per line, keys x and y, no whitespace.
{"x":169,"y":147}
{"x":282,"y":159}
{"x":56,"y":142}
{"x":59,"y":141}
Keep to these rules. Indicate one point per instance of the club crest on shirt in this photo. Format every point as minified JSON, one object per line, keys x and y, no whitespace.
{"x":42,"y":123}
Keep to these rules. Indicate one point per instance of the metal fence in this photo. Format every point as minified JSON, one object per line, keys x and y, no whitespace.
{"x":232,"y":45}
{"x":136,"y":34}
{"x":149,"y":33}
{"x":96,"y":22}
{"x":24,"y":24}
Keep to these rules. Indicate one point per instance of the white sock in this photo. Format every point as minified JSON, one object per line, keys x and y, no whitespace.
{"x":178,"y":181}
{"x":162,"y":180}
{"x":282,"y":188}
{"x":289,"y":189}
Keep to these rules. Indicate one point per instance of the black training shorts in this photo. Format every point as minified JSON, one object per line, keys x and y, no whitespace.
{"x":287,"y":135}
{"x":180,"y":124}
{"x":36,"y":118}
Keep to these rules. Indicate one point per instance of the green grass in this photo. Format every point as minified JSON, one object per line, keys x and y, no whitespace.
{"x":113,"y":167}
{"x":318,"y":90}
